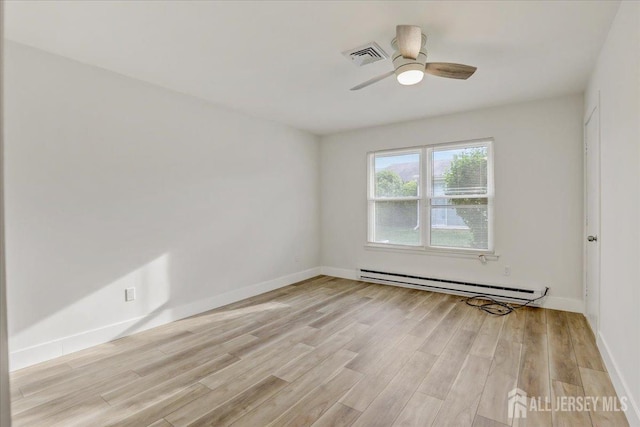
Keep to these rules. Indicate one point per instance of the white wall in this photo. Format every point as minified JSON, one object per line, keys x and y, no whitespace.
{"x":538,"y":204}
{"x":5,"y":402}
{"x":616,"y":79}
{"x":112,"y":182}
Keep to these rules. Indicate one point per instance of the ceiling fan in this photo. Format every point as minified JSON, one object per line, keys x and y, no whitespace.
{"x":410,"y":60}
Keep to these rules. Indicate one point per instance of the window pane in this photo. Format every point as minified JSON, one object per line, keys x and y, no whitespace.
{"x":397,"y":175}
{"x":459,"y":171}
{"x":461,"y":225}
{"x":397,"y":223}
{"x":472,"y":201}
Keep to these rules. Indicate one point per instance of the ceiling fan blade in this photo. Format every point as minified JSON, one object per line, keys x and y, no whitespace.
{"x":409,"y":38}
{"x":373,"y":80}
{"x":449,"y":70}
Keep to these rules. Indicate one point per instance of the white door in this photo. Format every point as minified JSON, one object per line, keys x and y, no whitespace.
{"x":592,"y":166}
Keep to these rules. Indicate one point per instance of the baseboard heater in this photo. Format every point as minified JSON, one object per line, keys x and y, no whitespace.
{"x":498,"y":292}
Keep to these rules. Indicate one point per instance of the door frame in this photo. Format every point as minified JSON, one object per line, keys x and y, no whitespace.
{"x":594,"y":109}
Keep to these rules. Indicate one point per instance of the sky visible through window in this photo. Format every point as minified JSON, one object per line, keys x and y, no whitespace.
{"x":383,"y":162}
{"x":448,"y":154}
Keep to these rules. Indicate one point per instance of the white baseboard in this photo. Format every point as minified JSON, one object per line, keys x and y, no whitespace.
{"x":554,"y":303}
{"x":565,"y":304}
{"x":343,"y":273}
{"x":49,"y":350}
{"x":622,"y":389}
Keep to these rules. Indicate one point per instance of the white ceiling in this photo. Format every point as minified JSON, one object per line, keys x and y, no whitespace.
{"x":282,"y":60}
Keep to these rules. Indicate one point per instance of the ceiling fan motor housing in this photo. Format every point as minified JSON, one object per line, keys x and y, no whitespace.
{"x":402,"y":64}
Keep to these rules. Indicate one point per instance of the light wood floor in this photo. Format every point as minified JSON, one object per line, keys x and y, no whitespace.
{"x":325,"y":352}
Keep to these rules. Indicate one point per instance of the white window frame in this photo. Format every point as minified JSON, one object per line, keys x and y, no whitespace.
{"x":425,"y":195}
{"x":371,"y":199}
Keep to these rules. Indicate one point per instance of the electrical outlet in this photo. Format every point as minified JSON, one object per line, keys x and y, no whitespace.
{"x":130,"y":294}
{"x":507,"y":271}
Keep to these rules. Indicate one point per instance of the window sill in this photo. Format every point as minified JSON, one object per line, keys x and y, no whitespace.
{"x":459,"y":253}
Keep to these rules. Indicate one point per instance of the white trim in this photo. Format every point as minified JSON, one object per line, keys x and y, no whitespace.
{"x":49,"y":350}
{"x":595,"y":109}
{"x":343,"y":273}
{"x":619,"y":384}
{"x":573,"y":305}
{"x":555,"y":303}
{"x":434,"y":250}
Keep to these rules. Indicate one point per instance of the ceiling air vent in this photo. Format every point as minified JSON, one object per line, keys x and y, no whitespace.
{"x":367,"y":54}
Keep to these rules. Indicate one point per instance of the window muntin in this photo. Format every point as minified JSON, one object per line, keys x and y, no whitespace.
{"x":456,"y":209}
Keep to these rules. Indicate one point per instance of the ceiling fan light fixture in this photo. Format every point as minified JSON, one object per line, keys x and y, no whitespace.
{"x":410,"y":74}
{"x":409,"y":71}
{"x":410,"y":77}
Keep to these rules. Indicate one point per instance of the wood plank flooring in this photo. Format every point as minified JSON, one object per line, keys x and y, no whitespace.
{"x":326,"y":352}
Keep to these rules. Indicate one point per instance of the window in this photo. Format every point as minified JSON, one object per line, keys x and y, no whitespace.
{"x":433,"y":197}
{"x":394,"y":202}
